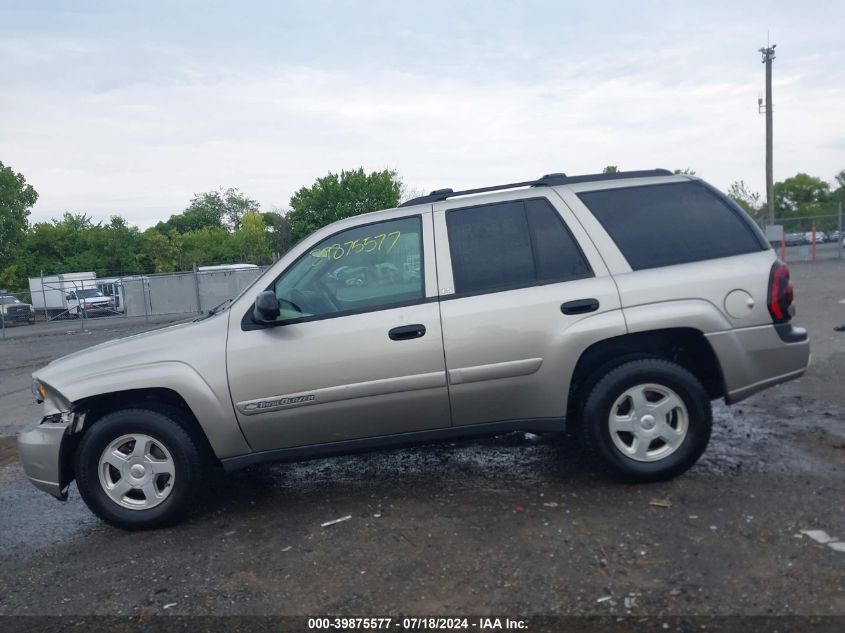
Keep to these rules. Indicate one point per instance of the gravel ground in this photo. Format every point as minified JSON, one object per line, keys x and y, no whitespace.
{"x":511,"y":525}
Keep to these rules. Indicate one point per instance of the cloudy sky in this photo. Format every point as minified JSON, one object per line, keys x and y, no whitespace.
{"x":131,"y":107}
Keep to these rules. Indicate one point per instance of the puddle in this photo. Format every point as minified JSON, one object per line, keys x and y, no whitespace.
{"x":749,"y":437}
{"x":32,"y":520}
{"x":507,"y":458}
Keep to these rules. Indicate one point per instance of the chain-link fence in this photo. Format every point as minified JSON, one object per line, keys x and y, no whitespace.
{"x":83,"y":295}
{"x":184,"y":292}
{"x":808,"y":238}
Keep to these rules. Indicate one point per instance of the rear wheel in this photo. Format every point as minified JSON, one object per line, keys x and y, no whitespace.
{"x":647,"y":420}
{"x":137,"y":469}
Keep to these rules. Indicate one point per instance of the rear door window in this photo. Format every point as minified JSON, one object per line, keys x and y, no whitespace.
{"x":556,"y":255}
{"x":511,"y":245}
{"x":678,"y":223}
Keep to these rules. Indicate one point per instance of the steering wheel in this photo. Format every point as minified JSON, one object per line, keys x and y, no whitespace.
{"x":298,"y":298}
{"x":292,"y":304}
{"x":315,"y":301}
{"x":328,"y":296}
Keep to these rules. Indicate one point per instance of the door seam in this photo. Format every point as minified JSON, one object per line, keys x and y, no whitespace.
{"x":440,"y":314}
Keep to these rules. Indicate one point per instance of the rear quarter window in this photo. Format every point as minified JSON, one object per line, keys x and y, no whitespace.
{"x":678,"y":223}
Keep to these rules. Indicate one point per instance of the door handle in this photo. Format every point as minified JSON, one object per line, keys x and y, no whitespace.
{"x":406,"y":332}
{"x":580,"y":306}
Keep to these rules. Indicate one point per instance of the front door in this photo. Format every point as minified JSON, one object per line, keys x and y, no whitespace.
{"x":357,"y":350}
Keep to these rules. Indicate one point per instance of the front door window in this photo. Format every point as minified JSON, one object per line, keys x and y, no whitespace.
{"x":369,"y":267}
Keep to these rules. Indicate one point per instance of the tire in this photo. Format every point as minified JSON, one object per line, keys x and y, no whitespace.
{"x":170,"y":459}
{"x":670,"y":425}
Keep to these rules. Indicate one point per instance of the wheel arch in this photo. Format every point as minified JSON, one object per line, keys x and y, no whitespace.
{"x":685,"y":346}
{"x":159,"y":399}
{"x":169,"y":382}
{"x":89,"y":410}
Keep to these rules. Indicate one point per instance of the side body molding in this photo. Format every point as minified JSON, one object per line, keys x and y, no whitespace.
{"x":507,"y":369}
{"x":325,"y":395}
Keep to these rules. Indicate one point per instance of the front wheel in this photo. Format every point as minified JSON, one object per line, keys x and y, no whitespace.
{"x":138,"y":468}
{"x":647,"y":420}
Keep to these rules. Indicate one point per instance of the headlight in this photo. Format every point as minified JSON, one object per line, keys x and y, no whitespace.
{"x":38,"y":391}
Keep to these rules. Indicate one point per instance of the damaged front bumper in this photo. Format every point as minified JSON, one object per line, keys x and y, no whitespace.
{"x":40,"y":453}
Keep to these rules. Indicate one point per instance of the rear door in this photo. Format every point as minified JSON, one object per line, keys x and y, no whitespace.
{"x":523,"y":292}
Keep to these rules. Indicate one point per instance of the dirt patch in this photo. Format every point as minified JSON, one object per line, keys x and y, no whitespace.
{"x":8,"y":450}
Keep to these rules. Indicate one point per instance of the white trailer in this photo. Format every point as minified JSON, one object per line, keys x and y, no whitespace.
{"x":69,"y":294}
{"x":112,"y":287}
{"x":211,"y":269}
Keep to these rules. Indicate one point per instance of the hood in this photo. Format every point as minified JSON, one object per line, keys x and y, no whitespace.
{"x":6,"y":306}
{"x":171,"y":343}
{"x":96,"y":300}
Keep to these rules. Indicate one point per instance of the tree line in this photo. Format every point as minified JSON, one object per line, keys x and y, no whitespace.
{"x":226,"y":226}
{"x":801,"y":200}
{"x":217,"y":227}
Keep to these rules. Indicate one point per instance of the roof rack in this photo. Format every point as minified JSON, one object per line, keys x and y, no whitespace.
{"x":549,"y":180}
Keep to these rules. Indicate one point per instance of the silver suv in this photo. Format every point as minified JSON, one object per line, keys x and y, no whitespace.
{"x":613,"y":306}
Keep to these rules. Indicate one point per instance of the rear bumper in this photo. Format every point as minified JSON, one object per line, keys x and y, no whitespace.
{"x":756,"y":358}
{"x":40,"y":454}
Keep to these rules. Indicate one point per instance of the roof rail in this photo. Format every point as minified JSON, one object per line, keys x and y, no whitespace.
{"x":549,"y":180}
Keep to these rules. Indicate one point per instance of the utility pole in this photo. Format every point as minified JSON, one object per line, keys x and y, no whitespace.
{"x":768,"y":56}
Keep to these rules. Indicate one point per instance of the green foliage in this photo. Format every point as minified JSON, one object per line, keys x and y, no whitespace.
{"x":747,"y":199}
{"x":10,"y":278}
{"x":337,"y":196}
{"x":76,"y":243}
{"x":250,"y":240}
{"x":801,"y":195}
{"x":839,"y":193}
{"x":161,"y":252}
{"x":16,"y":200}
{"x":279,"y":232}
{"x":686,"y":171}
{"x":223,"y":208}
{"x":208,"y":245}
{"x":190,"y":220}
{"x":610,"y":169}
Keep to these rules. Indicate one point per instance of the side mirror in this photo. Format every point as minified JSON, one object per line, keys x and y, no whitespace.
{"x":266,"y":307}
{"x":68,"y":297}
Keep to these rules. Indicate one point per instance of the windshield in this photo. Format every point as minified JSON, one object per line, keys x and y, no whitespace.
{"x":87,"y":294}
{"x":7,"y":300}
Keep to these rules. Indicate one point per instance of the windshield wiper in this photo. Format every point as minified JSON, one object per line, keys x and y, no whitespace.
{"x":213,"y":310}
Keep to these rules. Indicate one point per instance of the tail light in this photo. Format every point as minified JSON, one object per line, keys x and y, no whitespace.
{"x":780,"y":293}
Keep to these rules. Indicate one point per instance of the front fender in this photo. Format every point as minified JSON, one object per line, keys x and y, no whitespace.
{"x":214,"y":414}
